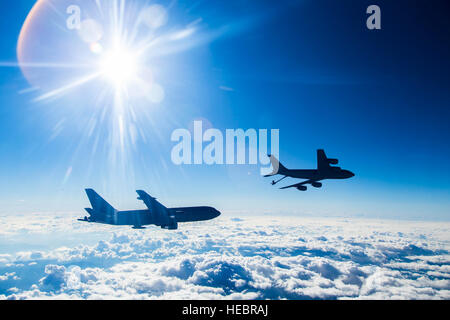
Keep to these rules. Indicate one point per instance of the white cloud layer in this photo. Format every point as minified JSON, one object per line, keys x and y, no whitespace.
{"x":238,"y":258}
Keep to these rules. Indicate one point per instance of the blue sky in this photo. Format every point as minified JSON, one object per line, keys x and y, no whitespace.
{"x":377,"y":100}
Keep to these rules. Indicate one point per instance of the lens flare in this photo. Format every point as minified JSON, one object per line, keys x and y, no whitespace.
{"x":119,"y":66}
{"x":107,"y":72}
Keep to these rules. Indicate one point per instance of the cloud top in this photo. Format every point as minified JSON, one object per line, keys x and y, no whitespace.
{"x":231,"y":258}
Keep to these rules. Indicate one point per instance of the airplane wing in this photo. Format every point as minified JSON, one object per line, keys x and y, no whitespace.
{"x":300,"y":186}
{"x":323,"y":162}
{"x":159,"y":211}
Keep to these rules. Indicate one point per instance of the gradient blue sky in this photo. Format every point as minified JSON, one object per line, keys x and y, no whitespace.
{"x":377,"y":100}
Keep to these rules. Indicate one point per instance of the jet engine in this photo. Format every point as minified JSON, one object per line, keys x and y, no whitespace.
{"x":302,"y":188}
{"x":316,"y":184}
{"x":173,"y":224}
{"x":333,"y":161}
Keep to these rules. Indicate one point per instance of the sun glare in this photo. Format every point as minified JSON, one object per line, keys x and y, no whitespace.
{"x":106,"y":57}
{"x":119,"y":66}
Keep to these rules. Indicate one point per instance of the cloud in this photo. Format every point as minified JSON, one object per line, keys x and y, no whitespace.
{"x":7,"y":276}
{"x":55,"y":277}
{"x":252,"y":258}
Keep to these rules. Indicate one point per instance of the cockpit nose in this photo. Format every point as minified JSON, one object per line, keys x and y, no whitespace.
{"x":350,"y":174}
{"x":213,"y":213}
{"x":216,"y":213}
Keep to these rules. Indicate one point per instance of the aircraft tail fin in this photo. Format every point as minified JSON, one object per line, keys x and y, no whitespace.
{"x":101,"y":209}
{"x":277,"y":167}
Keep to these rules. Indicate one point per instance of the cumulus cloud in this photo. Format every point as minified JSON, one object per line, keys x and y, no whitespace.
{"x":7,"y":276}
{"x":234,"y":258}
{"x":55,"y":277}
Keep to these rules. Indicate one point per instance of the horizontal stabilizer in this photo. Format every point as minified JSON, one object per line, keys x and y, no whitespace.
{"x":101,"y":209}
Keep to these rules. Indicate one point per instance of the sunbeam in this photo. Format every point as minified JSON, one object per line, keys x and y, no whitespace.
{"x":108,"y":72}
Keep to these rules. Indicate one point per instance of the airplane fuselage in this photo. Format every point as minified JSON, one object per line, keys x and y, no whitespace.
{"x":313,"y":176}
{"x":317,"y":175}
{"x":155,"y":214}
{"x":144,"y":217}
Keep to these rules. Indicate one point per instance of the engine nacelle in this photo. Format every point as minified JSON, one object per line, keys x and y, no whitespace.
{"x":333,"y":161}
{"x":173,"y":224}
{"x":316,"y":184}
{"x":302,"y":188}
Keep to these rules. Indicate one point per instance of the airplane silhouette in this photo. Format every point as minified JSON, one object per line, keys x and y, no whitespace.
{"x":324,"y":171}
{"x":157,"y":214}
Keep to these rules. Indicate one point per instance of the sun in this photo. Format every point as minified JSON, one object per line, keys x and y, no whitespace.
{"x":112,"y":50}
{"x":119,"y":66}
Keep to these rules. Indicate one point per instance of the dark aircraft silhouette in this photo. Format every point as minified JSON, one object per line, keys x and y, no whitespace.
{"x":324,"y":171}
{"x":157,"y":214}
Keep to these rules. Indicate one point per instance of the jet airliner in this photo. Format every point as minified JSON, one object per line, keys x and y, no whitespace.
{"x":324,"y":171}
{"x":155,"y":214}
